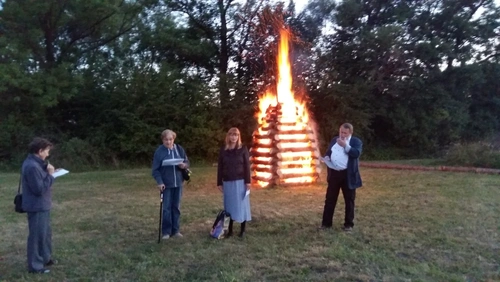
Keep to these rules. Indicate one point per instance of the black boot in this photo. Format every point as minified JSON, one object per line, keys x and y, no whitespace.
{"x":230,"y":229}
{"x":242,"y":231}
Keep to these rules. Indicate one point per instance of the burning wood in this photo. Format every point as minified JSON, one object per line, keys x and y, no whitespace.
{"x":285,"y":149}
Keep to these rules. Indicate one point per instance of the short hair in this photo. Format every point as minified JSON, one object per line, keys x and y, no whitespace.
{"x":39,"y":144}
{"x":348,"y":126}
{"x":233,"y":130}
{"x":168,"y":132}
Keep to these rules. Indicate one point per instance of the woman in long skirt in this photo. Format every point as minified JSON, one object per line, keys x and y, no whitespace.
{"x":233,"y":180}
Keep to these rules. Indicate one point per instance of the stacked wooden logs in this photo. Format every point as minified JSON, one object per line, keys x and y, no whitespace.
{"x":283,"y":152}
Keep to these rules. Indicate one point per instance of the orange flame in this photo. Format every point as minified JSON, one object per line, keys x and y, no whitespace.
{"x":295,"y":118}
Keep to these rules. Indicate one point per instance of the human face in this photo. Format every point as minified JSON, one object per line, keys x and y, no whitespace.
{"x":344,"y":133}
{"x":233,"y":137}
{"x":168,"y":141}
{"x":44,"y":153}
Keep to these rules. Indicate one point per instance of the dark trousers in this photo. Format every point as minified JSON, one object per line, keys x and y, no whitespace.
{"x":39,"y":247}
{"x":171,"y":210}
{"x":336,"y":182}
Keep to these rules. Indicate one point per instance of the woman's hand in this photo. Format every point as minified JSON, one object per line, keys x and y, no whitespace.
{"x":182,"y":165}
{"x":50,"y":169}
{"x":247,"y":186}
{"x":161,"y":187}
{"x":220,"y":188}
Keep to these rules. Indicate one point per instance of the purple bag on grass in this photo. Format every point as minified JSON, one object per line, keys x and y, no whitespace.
{"x":219,"y":226}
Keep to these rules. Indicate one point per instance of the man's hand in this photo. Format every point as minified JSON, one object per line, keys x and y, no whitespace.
{"x":50,"y":169}
{"x":182,"y":165}
{"x":161,"y":187}
{"x":341,"y":142}
{"x":220,"y":188}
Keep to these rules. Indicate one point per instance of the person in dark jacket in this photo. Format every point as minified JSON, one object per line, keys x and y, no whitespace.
{"x":168,"y":161}
{"x":36,"y":181}
{"x":342,"y":158}
{"x":233,"y":179}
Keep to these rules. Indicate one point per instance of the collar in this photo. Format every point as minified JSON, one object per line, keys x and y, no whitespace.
{"x":173,"y":147}
{"x":37,"y":159}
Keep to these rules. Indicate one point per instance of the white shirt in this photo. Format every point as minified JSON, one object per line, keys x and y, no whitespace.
{"x":339,"y":156}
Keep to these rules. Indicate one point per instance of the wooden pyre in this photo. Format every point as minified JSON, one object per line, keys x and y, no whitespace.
{"x":273,"y":144}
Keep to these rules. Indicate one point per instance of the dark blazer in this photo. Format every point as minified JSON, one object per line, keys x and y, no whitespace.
{"x":353,"y":176}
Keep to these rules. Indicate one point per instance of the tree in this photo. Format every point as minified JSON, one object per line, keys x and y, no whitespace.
{"x":382,"y":69}
{"x":41,"y":47}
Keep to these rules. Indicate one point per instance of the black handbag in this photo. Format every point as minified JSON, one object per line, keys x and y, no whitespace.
{"x":18,"y":199}
{"x":186,"y":174}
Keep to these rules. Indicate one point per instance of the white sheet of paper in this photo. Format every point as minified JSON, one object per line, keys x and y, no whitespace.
{"x":328,"y":163}
{"x":246,"y":194}
{"x":60,"y":172}
{"x":172,"y":162}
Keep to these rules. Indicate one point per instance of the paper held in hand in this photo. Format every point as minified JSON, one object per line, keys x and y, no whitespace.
{"x":60,"y":172}
{"x":172,"y":162}
{"x":246,"y":194}
{"x":328,"y":162}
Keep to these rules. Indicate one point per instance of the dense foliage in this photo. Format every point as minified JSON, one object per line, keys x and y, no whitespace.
{"x":103,"y":78}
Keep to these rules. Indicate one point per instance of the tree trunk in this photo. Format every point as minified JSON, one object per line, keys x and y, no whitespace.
{"x":223,"y":57}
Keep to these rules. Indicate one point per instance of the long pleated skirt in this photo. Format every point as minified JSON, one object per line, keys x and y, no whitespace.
{"x":236,"y":203}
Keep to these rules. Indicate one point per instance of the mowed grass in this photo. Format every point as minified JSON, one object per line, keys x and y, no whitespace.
{"x":410,"y":226}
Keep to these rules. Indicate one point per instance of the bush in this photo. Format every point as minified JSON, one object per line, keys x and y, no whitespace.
{"x":477,"y":154}
{"x":75,"y":154}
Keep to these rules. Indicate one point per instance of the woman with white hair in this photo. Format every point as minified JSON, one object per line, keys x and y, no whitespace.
{"x":168,"y":175}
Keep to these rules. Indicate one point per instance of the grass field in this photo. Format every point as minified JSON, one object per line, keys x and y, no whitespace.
{"x":410,"y":226}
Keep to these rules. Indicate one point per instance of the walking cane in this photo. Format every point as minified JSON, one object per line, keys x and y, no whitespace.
{"x":161,"y":215}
